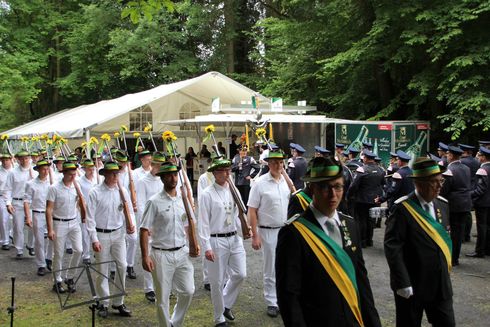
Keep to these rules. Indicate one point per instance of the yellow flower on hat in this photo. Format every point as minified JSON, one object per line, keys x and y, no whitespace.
{"x":4,"y":137}
{"x":34,"y":139}
{"x":24,"y":138}
{"x":147,"y":128}
{"x":93,"y":140}
{"x":105,"y":137}
{"x":136,"y":135}
{"x":124,"y":128}
{"x":260,"y":132}
{"x":116,"y":134}
{"x":44,"y":137}
{"x":168,"y":136}
{"x":210,"y":129}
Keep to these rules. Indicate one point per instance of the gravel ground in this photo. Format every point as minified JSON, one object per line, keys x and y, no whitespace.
{"x":37,"y":305}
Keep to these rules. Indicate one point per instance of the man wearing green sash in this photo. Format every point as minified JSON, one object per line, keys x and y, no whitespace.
{"x":321,"y":279}
{"x":418,"y":250}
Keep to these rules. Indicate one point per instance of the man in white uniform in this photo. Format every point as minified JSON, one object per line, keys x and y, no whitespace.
{"x":146,"y":187}
{"x":35,"y":196}
{"x":87,"y":182}
{"x":62,"y":223}
{"x":6,"y":159}
{"x":218,"y":224}
{"x":164,"y":216}
{"x":105,"y":225}
{"x":267,"y":212}
{"x":14,"y":190}
{"x":145,"y":158}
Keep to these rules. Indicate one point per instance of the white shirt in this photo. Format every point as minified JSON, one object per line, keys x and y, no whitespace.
{"x":3,"y":179}
{"x":105,"y":209}
{"x":271,"y":199}
{"x":423,"y":203}
{"x":218,"y":213}
{"x":203,"y":182}
{"x":86,"y":185}
{"x":36,"y":192}
{"x":64,"y":199}
{"x":139,"y":173}
{"x":146,"y":187}
{"x":16,"y":183}
{"x":322,"y":219}
{"x":165,"y":217}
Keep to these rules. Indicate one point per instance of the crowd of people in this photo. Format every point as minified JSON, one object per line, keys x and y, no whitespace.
{"x":309,"y":218}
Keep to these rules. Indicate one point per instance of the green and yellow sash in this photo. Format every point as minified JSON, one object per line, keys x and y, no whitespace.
{"x":335,"y":261}
{"x":434,"y":229}
{"x":304,"y":199}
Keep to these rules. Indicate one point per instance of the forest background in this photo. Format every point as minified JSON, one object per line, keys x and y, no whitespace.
{"x":354,"y":59}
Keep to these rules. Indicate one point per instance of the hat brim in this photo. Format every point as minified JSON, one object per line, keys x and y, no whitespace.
{"x":322,"y":178}
{"x":160,"y":173}
{"x":218,"y":166}
{"x":442,"y":169}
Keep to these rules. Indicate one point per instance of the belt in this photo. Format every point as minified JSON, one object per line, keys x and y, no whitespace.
{"x":172,"y":249}
{"x":269,"y":227}
{"x":37,"y":211}
{"x":106,"y":231}
{"x":59,"y":219}
{"x":224,"y":234}
{"x":18,"y":199}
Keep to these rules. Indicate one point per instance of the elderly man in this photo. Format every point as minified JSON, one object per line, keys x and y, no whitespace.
{"x":168,"y":260}
{"x":321,"y":277}
{"x":222,"y":246}
{"x":418,"y":250}
{"x":267,"y":212}
{"x":105,"y":225}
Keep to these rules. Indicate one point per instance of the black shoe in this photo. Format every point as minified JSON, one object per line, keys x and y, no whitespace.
{"x":103,"y":312}
{"x":272,"y":311}
{"x":113,"y":275}
{"x":31,"y":251}
{"x":19,"y":256}
{"x":207,"y":287}
{"x":455,"y":263}
{"x":69,"y":251}
{"x":41,"y":271}
{"x":150,"y":296}
{"x":222,"y":324}
{"x":123,"y":311}
{"x":229,"y":314}
{"x":71,"y":285}
{"x":49,"y":263}
{"x":57,"y":287}
{"x":6,"y":247}
{"x":369,"y":243}
{"x":86,"y":261}
{"x":467,"y":239}
{"x":475,"y":255}
{"x":130,"y":273}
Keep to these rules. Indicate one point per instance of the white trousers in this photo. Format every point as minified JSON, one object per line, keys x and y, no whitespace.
{"x":173,"y":270}
{"x":86,"y":243}
{"x":66,"y":230}
{"x":131,"y":246}
{"x":113,"y":248}
{"x":229,"y":257}
{"x":4,"y":223}
{"x":205,"y":261}
{"x":269,"y":243}
{"x":42,"y":245}
{"x":18,"y":225}
{"x":30,"y":238}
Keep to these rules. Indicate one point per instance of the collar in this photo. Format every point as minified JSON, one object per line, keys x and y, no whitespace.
{"x":422,"y":201}
{"x":321,"y":218}
{"x":270,"y":178}
{"x":165,"y":195}
{"x":453,"y":162}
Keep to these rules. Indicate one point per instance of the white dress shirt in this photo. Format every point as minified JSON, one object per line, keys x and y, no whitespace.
{"x":423,"y":203}
{"x":16,"y":183}
{"x":36,"y":193}
{"x":64,"y":199}
{"x":146,"y":187}
{"x":86,"y":185}
{"x":139,"y":173}
{"x":3,"y":180}
{"x":322,"y":219}
{"x":271,"y":198}
{"x":218,"y":213}
{"x":165,"y":217}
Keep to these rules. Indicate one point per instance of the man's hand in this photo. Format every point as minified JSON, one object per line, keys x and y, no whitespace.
{"x":131,"y":229}
{"x":51,"y":235}
{"x":256,"y":242}
{"x":148,"y":264}
{"x":96,"y":246}
{"x":405,"y":292}
{"x":10,"y":209}
{"x":210,"y":255}
{"x":377,"y":200}
{"x":28,"y":222}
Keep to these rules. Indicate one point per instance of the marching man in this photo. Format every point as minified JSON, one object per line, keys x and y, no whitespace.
{"x":168,"y":260}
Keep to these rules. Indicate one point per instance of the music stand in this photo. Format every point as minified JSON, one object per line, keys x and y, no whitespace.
{"x":90,"y":269}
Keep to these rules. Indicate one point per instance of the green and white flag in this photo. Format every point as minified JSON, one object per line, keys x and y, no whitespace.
{"x":276,"y":104}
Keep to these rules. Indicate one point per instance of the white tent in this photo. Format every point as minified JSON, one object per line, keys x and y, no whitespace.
{"x":180,"y":100}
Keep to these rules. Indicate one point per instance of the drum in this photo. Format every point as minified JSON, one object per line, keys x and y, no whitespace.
{"x":377,"y":214}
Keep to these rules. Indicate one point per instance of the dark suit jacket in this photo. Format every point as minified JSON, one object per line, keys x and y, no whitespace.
{"x":414,"y":258}
{"x":306,"y":295}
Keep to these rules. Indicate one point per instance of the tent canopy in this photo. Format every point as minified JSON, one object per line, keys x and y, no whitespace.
{"x":108,"y":115}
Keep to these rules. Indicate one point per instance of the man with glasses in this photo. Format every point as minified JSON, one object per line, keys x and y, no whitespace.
{"x":418,"y":250}
{"x":267,"y":212}
{"x":223,"y":248}
{"x":321,"y":276}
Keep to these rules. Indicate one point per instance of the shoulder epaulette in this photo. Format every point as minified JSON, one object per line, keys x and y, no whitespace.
{"x":293,"y":218}
{"x":297,"y":191}
{"x":397,"y":176}
{"x":442,"y":199}
{"x":400,"y":200}
{"x":344,"y":215}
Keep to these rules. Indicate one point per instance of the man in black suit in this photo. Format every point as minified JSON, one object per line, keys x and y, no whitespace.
{"x":308,"y":290}
{"x":418,"y":250}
